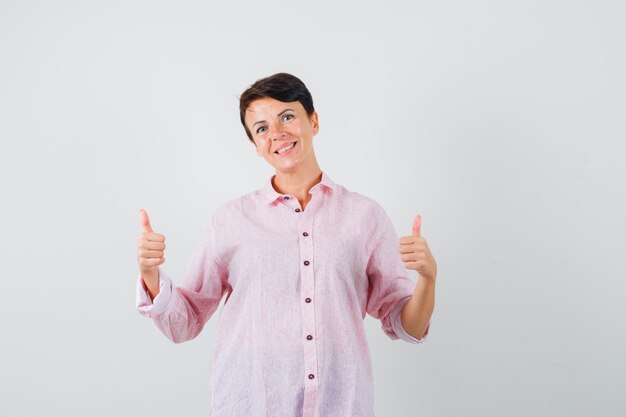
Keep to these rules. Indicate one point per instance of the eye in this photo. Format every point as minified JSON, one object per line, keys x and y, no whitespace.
{"x":261,"y":129}
{"x":287,"y":117}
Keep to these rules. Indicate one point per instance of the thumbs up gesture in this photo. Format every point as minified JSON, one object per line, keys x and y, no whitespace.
{"x":150,"y":254}
{"x":415,"y":253}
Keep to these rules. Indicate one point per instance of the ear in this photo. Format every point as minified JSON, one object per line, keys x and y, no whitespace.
{"x":315,"y":123}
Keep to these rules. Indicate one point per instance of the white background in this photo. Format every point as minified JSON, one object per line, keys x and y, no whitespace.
{"x":501,"y":122}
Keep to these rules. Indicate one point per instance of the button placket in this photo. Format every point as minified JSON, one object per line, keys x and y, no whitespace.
{"x":307,"y":288}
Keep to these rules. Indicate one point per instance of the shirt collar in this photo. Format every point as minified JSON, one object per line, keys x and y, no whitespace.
{"x":271,"y":195}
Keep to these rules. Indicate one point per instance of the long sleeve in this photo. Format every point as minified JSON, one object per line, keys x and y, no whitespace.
{"x":145,"y":305}
{"x":290,"y":338}
{"x":389,"y":284}
{"x":180,"y":312}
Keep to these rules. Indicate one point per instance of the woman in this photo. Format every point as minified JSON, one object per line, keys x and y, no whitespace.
{"x":301,"y":261}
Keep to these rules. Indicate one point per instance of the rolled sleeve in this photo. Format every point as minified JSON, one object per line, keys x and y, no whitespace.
{"x":398,"y":328}
{"x":390,"y":286}
{"x":180,"y":311}
{"x":148,"y":307}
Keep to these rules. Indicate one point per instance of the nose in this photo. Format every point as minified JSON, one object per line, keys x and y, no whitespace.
{"x":276,"y":133}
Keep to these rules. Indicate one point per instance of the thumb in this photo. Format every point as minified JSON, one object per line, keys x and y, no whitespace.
{"x":145,"y":221}
{"x":417,"y":225}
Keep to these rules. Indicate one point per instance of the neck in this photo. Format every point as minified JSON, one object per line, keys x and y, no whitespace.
{"x":299,"y":182}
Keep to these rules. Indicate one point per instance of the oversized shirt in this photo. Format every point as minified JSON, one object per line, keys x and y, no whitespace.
{"x":290,"y":336}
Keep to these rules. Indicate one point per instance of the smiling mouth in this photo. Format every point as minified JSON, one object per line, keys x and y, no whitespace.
{"x":286,"y":148}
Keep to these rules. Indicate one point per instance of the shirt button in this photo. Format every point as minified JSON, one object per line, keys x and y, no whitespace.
{"x":286,"y":197}
{"x":297,"y":210}
{"x":308,"y":300}
{"x":311,"y":376}
{"x":306,"y":263}
{"x":309,"y":337}
{"x":305,"y":234}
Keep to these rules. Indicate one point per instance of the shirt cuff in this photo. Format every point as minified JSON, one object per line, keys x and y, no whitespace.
{"x":396,"y":324}
{"x":148,"y":307}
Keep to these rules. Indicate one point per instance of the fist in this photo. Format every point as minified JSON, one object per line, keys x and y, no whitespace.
{"x":150,"y":248}
{"x":415,"y":253}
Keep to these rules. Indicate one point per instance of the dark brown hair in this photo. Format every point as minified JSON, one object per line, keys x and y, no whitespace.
{"x":282,"y":87}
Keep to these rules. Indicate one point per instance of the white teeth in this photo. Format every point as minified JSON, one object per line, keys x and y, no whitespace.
{"x":286,"y":148}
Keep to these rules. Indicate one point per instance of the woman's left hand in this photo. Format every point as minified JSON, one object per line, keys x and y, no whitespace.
{"x":415,"y":253}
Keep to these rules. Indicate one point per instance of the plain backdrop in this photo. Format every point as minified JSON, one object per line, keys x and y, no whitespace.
{"x":501,"y":122}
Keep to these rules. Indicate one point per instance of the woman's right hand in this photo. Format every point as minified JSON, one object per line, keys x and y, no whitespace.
{"x":150,"y":254}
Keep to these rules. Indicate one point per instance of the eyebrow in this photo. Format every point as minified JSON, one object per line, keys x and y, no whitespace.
{"x":279,"y":114}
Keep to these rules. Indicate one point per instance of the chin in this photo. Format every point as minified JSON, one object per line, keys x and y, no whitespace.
{"x":287,"y":168}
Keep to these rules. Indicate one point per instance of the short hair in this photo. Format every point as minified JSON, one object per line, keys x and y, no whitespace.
{"x":280,"y":86}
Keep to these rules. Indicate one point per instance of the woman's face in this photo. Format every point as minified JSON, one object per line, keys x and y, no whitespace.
{"x":277,"y":125}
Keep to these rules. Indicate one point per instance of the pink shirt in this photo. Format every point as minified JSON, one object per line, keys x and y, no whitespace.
{"x":290,"y":335}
